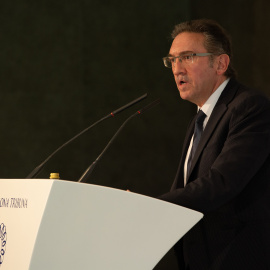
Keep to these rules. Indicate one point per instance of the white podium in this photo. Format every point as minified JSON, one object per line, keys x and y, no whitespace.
{"x":56,"y":224}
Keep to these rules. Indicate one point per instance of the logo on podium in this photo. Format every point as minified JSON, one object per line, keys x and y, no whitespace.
{"x":3,"y":241}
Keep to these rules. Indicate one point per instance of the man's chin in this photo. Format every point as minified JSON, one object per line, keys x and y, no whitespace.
{"x":184,"y":95}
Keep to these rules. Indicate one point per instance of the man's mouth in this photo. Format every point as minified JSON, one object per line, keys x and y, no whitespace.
{"x":182,"y":82}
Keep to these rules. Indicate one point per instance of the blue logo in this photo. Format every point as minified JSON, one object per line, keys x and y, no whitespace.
{"x":3,"y":242}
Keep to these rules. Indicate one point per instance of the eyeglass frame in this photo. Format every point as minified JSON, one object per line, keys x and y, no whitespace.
{"x":180,"y":57}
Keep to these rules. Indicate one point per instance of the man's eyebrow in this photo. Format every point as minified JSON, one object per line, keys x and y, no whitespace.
{"x":180,"y":54}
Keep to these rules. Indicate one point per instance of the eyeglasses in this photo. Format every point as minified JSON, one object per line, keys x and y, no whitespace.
{"x":187,"y":59}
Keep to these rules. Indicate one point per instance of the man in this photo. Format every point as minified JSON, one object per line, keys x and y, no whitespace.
{"x":224,"y":171}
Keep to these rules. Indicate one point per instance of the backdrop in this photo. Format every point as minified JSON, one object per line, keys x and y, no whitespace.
{"x":66,"y":64}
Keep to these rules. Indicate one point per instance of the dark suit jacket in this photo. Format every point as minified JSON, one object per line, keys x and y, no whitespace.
{"x":230,"y":184}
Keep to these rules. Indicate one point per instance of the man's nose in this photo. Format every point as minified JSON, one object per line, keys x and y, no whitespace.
{"x":178,"y":67}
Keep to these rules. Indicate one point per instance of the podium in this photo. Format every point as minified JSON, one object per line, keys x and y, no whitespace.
{"x":56,"y":224}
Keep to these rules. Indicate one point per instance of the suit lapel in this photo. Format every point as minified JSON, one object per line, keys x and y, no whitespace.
{"x":209,"y":129}
{"x":219,"y":110}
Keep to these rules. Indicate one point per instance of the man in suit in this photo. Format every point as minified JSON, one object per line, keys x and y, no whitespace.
{"x":224,"y":171}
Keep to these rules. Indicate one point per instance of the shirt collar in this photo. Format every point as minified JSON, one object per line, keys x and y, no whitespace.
{"x":209,"y":105}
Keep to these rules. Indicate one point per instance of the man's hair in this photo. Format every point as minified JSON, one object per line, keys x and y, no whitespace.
{"x":217,"y":41}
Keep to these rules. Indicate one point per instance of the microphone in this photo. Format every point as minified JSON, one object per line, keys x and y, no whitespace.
{"x":37,"y":170}
{"x":89,"y":170}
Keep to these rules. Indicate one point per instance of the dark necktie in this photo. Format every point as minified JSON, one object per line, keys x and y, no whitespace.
{"x":196,"y":137}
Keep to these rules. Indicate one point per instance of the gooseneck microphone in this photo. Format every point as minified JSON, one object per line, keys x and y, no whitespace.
{"x":37,"y":170}
{"x":89,"y":170}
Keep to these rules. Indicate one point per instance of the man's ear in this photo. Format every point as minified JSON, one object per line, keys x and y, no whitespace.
{"x":223,"y":63}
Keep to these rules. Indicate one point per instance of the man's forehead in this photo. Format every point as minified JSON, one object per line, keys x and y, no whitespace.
{"x":187,"y":42}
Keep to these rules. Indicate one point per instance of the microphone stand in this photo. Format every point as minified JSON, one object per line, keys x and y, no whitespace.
{"x":89,"y":170}
{"x":37,"y":170}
